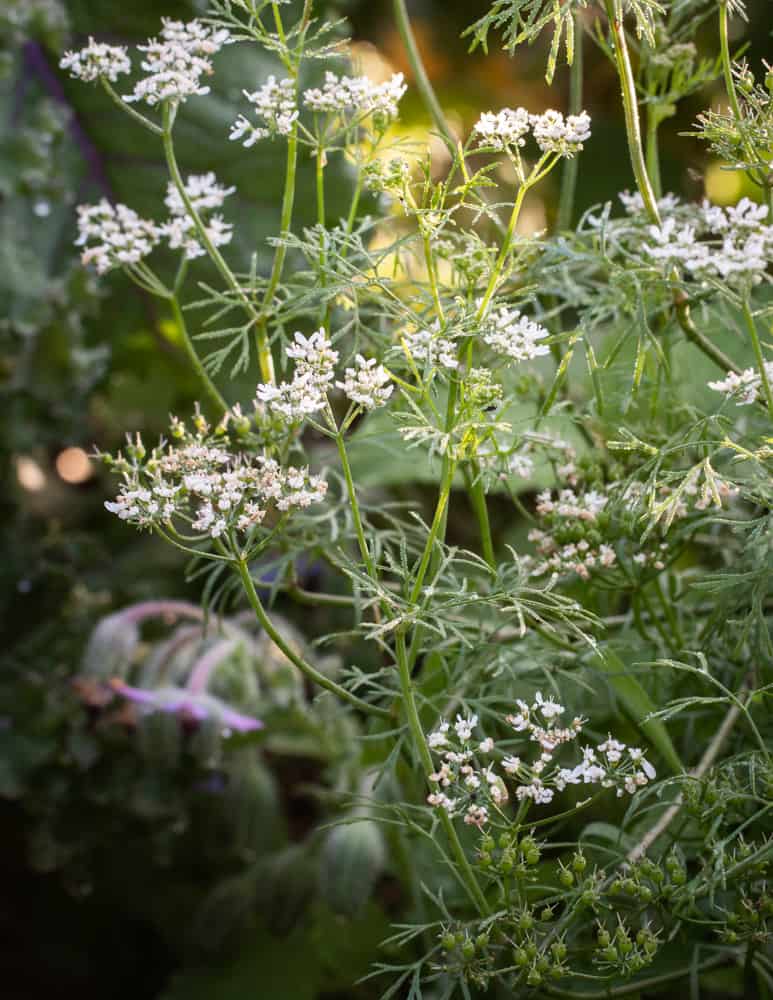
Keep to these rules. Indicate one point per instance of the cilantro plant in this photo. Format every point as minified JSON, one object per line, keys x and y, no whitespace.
{"x":563,"y":713}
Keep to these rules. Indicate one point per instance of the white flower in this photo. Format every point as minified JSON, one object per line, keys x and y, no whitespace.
{"x":511,"y":764}
{"x":745,"y":387}
{"x":205,"y":195}
{"x":97,"y":60}
{"x":556,"y":135}
{"x":550,"y":709}
{"x":476,"y":816}
{"x":514,"y":335}
{"x":306,"y":393}
{"x":356,"y":95}
{"x":114,"y":235}
{"x":176,"y":62}
{"x":430,"y":347}
{"x":486,"y":746}
{"x":464,"y":727}
{"x":275,"y":105}
{"x":613,"y":749}
{"x":441,"y":801}
{"x":367,"y":384}
{"x":503,"y":130}
{"x":439,"y":738}
{"x":203,"y":190}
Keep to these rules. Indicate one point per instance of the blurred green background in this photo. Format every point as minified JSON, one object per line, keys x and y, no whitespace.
{"x":91,"y":905}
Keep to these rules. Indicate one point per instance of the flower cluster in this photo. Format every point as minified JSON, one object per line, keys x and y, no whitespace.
{"x":367,"y":384}
{"x":114,"y":235}
{"x":466,"y":784}
{"x":97,"y":60}
{"x":555,"y":134}
{"x":430,"y":348}
{"x":198,"y":481}
{"x":306,"y":393}
{"x":506,"y":130}
{"x":356,"y":95}
{"x":744,"y":388}
{"x":510,"y":333}
{"x":205,"y":195}
{"x":732,"y":244}
{"x":176,"y":62}
{"x":572,"y":542}
{"x":275,"y":104}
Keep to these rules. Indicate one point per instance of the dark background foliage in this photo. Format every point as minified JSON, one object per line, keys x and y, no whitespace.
{"x":106,"y":850}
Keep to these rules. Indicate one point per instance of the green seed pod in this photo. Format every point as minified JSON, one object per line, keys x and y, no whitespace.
{"x":487,"y":843}
{"x":520,"y":957}
{"x":566,"y":878}
{"x":481,"y":942}
{"x":534,"y":978}
{"x":542,"y":964}
{"x":558,"y":948}
{"x":448,"y":941}
{"x":531,"y":949}
{"x":532,"y":857}
{"x":484,"y":859}
{"x":609,"y":954}
{"x":525,"y":921}
{"x":645,"y":894}
{"x":603,"y":937}
{"x":579,"y":863}
{"x":546,"y":914}
{"x":468,"y":950}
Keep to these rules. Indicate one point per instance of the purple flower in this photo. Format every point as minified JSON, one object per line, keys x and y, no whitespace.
{"x":187,"y":705}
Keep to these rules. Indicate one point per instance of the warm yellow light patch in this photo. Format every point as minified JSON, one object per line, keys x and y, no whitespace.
{"x":74,"y":465}
{"x":29,"y":474}
{"x":723,"y":187}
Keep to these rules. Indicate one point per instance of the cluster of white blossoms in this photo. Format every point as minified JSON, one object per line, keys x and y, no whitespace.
{"x":507,"y":130}
{"x":510,"y":333}
{"x":176,"y":62}
{"x":198,"y":481}
{"x":114,"y":235}
{"x":356,"y":95}
{"x":97,"y":60}
{"x":733,"y":244}
{"x":568,"y":546}
{"x":275,"y":104}
{"x":472,"y":778}
{"x":744,"y":388}
{"x":366,"y":384}
{"x":430,"y":348}
{"x":205,"y":194}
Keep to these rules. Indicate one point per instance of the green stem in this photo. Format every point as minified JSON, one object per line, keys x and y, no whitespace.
{"x":693,"y":334}
{"x":478,"y":499}
{"x":420,"y":744}
{"x":420,"y":77}
{"x":653,"y":153}
{"x":571,"y":163}
{"x":505,"y":248}
{"x":437,"y":521}
{"x":752,"y":328}
{"x":264,"y":355}
{"x":306,"y":668}
{"x":129,"y":110}
{"x":320,"y":179}
{"x":367,"y":558}
{"x":637,"y":985}
{"x":430,"y":265}
{"x":195,"y":360}
{"x":631,"y":110}
{"x":727,"y":72}
{"x":280,"y":251}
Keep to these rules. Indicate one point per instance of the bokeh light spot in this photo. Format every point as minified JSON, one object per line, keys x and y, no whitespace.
{"x":74,"y":465}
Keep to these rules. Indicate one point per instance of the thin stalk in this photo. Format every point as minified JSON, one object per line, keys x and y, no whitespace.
{"x":437,"y":521}
{"x":571,"y":163}
{"x":631,"y":110}
{"x":755,"y":338}
{"x":478,"y":499}
{"x":430,"y":265}
{"x":505,"y":248}
{"x":693,"y":334}
{"x":420,"y":77}
{"x":306,"y":668}
{"x":367,"y":558}
{"x":703,"y":766}
{"x":129,"y":110}
{"x":420,"y":745}
{"x":264,"y":355}
{"x":653,"y":152}
{"x":637,"y":985}
{"x":320,"y":179}
{"x":727,"y":72}
{"x":280,"y":251}
{"x":195,"y":360}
